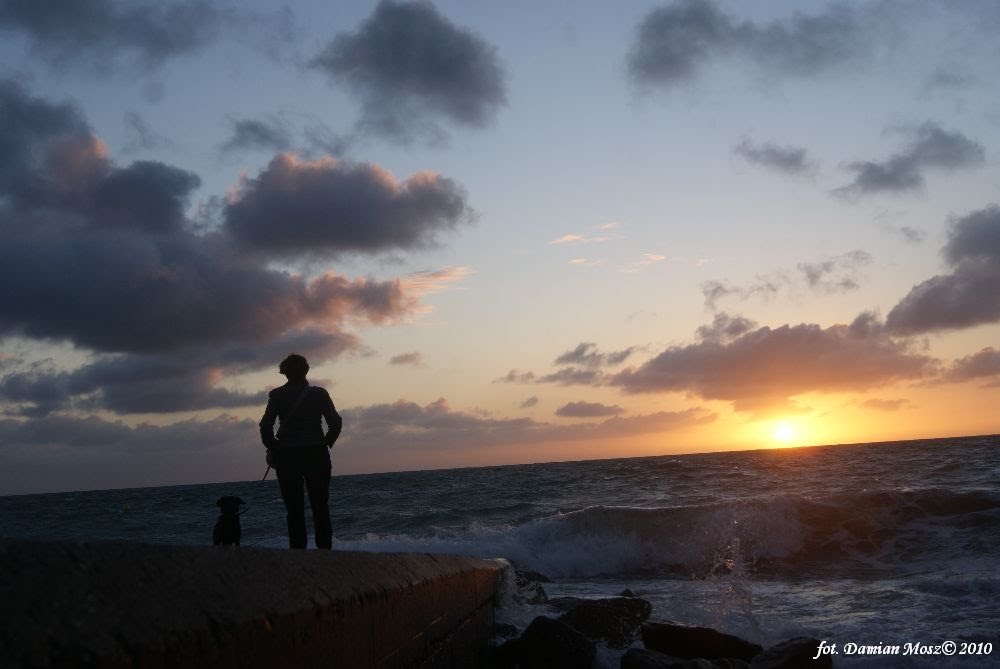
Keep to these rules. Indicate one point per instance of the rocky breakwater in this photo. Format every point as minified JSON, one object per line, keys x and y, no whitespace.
{"x":568,"y":635}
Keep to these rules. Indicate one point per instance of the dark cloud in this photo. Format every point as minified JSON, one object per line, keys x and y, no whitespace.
{"x":675,"y":42}
{"x":118,"y":291}
{"x":327,"y":208}
{"x":414,"y":359}
{"x":270,"y":135}
{"x":587,"y":355}
{"x":171,"y":314}
{"x":58,"y":453}
{"x":974,"y":238}
{"x":161,"y":383}
{"x":970,"y":294}
{"x":28,"y":126}
{"x":588,"y":410}
{"x":932,"y":147}
{"x":101,"y":33}
{"x":411,"y":66}
{"x":530,"y":402}
{"x":766,"y":367}
{"x":785,"y":159}
{"x":51,"y":163}
{"x":725,"y":327}
{"x":984,"y":364}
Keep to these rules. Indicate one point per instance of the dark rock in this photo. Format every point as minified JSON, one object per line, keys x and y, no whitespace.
{"x":548,"y":643}
{"x":791,"y":654}
{"x":642,"y":658}
{"x":626,"y":593}
{"x":690,"y":642}
{"x":564,"y":604}
{"x":638,"y":658}
{"x":615,"y":620}
{"x":504,"y":630}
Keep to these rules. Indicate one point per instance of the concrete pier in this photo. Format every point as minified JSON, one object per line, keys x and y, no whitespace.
{"x":136,"y":605}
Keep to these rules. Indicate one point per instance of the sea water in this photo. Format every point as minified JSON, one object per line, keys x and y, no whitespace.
{"x":874,"y":545}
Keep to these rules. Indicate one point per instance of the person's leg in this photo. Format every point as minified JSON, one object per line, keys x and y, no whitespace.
{"x":318,"y":485}
{"x":290,"y":480}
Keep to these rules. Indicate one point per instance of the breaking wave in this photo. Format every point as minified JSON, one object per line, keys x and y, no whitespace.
{"x":866,"y":534}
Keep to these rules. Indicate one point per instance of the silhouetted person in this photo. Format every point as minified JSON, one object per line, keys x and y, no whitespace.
{"x":299,"y":452}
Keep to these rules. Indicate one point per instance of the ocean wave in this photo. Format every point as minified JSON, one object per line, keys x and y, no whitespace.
{"x":867,"y":533}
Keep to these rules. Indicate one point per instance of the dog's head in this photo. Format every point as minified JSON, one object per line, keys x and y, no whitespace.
{"x":229,"y":505}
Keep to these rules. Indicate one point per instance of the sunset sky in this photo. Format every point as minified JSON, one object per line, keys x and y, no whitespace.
{"x":500,"y":232}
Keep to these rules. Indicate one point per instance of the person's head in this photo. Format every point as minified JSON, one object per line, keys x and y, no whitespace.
{"x":294,"y":367}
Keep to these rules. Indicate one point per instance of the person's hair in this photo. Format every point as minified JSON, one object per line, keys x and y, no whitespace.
{"x":294,"y":366}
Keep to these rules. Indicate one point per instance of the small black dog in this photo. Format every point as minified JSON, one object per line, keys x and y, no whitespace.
{"x":227,"y":527}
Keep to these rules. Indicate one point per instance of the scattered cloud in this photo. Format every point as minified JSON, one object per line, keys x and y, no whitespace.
{"x":573,"y":376}
{"x":764,"y":368}
{"x":950,"y":80}
{"x":886,"y":405}
{"x":413,"y":359}
{"x":411,"y":67}
{"x":326,"y":208}
{"x":832,"y":275}
{"x":580,"y":239}
{"x":675,"y":42}
{"x":405,"y":425}
{"x":586,"y":354}
{"x":435,"y":281}
{"x":970,"y":294}
{"x":530,"y":402}
{"x":102,"y":32}
{"x":514,"y":376}
{"x":644,"y":261}
{"x":588,"y":410}
{"x":140,"y":137}
{"x":271,"y":135}
{"x":588,"y":262}
{"x":785,"y":159}
{"x":931,"y":147}
{"x":108,"y":36}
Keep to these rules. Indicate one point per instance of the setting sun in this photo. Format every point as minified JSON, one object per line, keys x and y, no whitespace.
{"x":783,"y":432}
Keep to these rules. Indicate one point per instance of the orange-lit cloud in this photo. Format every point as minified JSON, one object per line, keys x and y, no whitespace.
{"x":765,"y":367}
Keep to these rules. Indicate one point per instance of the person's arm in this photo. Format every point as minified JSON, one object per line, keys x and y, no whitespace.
{"x":334,"y":422}
{"x":267,"y":423}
